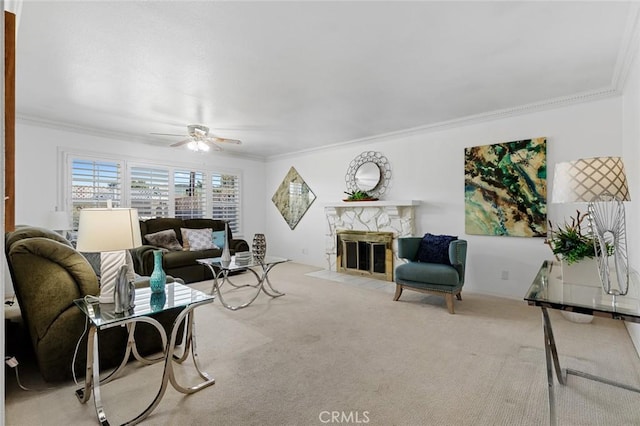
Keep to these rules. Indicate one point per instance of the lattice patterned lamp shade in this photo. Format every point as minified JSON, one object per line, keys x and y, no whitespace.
{"x":587,"y":178}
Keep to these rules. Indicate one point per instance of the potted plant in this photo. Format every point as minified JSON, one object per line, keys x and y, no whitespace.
{"x":576,"y":250}
{"x":568,"y":243}
{"x":359,"y":196}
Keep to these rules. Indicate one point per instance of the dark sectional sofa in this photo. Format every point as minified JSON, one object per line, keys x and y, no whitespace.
{"x":181,"y":263}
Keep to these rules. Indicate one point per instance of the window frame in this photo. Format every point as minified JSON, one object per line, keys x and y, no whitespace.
{"x":67,"y":156}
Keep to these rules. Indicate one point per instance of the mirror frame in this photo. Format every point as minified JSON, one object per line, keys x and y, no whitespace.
{"x":383,"y":165}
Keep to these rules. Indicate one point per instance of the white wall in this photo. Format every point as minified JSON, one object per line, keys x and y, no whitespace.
{"x":429,"y":166}
{"x":631,"y":151}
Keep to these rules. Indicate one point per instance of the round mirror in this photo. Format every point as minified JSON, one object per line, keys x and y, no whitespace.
{"x":367,"y":176}
{"x":369,"y":172}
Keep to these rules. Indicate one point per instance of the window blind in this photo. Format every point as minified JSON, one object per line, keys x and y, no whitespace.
{"x":93,"y":183}
{"x":149,"y":191}
{"x":190,"y":199}
{"x":225,"y":196}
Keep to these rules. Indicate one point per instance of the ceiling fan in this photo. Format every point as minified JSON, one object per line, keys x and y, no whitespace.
{"x":199,"y":139}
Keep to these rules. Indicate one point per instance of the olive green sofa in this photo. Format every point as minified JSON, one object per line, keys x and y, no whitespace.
{"x":48,"y":274}
{"x":181,"y":263}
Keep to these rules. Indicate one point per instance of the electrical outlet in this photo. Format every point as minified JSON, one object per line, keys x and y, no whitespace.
{"x":505,"y":275}
{"x":304,"y":251}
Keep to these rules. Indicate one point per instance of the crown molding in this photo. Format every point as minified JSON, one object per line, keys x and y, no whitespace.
{"x":548,"y":104}
{"x":628,"y":49}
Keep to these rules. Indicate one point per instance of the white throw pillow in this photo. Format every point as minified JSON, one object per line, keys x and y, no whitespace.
{"x":199,"y":239}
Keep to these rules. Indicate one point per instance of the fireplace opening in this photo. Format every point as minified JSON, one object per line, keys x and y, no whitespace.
{"x":365,"y":253}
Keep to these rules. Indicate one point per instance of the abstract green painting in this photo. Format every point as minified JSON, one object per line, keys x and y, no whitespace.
{"x":505,"y":189}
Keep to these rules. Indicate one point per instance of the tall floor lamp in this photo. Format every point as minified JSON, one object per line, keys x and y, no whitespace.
{"x":601,"y":182}
{"x":109,"y":231}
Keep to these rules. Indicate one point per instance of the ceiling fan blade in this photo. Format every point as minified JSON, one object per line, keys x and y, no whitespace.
{"x":167,"y":134}
{"x":214,"y":146}
{"x":225,"y":140}
{"x":184,"y":142}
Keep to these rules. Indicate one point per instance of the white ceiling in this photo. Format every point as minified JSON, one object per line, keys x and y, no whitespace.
{"x":293,"y":76}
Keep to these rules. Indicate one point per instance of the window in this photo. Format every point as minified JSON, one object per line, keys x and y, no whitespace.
{"x":190,"y":200}
{"x":225,"y":197}
{"x":154,"y":189}
{"x":93,"y":183}
{"x":149,"y":191}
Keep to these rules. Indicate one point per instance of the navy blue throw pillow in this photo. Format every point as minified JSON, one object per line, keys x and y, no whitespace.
{"x":435,"y":249}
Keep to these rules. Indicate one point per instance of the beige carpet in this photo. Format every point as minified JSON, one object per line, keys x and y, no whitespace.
{"x":347,"y":348}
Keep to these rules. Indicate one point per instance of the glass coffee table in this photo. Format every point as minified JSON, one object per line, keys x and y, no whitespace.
{"x":102,"y":316}
{"x":548,"y":291}
{"x":260,"y":270}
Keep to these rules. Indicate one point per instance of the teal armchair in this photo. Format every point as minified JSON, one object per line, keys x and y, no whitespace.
{"x":432,"y":278}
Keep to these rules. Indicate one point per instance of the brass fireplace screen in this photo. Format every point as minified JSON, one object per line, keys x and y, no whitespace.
{"x":365,"y":253}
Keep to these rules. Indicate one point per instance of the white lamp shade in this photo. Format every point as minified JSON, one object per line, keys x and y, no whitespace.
{"x":584,"y":179}
{"x":58,"y":221}
{"x":104,"y":229}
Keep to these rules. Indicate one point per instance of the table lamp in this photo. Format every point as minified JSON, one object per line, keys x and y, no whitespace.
{"x":601,"y":182}
{"x":110,"y":231}
{"x":58,"y":221}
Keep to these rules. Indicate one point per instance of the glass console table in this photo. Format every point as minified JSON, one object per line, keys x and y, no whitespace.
{"x":221,"y":276}
{"x":548,"y":291}
{"x":102,"y":316}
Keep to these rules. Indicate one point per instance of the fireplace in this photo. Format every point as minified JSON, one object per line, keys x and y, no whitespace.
{"x":365,"y":253}
{"x":394,"y":218}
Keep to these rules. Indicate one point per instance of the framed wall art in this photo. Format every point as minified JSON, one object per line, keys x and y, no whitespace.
{"x":505,"y":189}
{"x":293,"y":198}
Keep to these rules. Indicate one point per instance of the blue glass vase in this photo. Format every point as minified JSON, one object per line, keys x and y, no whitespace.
{"x":157,"y":301}
{"x":158,"y":277}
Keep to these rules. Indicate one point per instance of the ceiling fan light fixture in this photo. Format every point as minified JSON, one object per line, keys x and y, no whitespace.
{"x":198,"y":146}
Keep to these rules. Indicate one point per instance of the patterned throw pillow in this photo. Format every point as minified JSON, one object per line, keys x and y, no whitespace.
{"x":199,"y":239}
{"x":165,"y":239}
{"x":185,"y":241}
{"x":218,"y":239}
{"x":435,"y":249}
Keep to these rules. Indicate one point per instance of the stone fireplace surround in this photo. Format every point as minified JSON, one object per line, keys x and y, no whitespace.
{"x":397,"y":217}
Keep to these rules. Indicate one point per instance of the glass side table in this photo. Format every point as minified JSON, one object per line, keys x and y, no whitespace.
{"x":102,"y":316}
{"x":221,"y":276}
{"x":548,"y":291}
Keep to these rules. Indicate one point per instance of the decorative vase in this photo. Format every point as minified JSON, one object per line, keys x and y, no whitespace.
{"x":259,"y":247}
{"x":158,"y":277}
{"x":226,"y":254}
{"x":583,"y":272}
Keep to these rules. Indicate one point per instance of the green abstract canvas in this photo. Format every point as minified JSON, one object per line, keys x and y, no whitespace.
{"x":505,"y":189}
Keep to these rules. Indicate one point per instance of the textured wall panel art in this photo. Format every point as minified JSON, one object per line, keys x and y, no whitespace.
{"x":505,"y":189}
{"x":293,"y":198}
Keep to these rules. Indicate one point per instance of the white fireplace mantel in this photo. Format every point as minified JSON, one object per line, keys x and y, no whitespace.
{"x":391,"y":207}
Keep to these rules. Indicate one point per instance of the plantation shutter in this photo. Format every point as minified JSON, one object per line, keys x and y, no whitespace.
{"x":149,"y":191}
{"x":190,"y":200}
{"x":93,"y":183}
{"x":226,"y":199}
